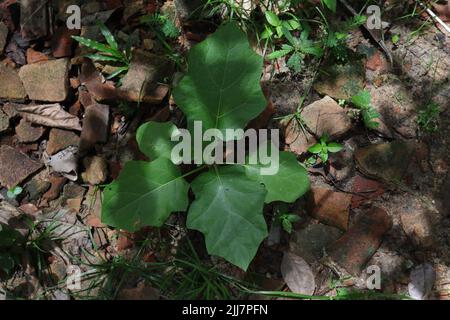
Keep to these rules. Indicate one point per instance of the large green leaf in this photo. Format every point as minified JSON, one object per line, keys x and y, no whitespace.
{"x":222,"y":86}
{"x":288,"y":184}
{"x":228,"y":210}
{"x":144,"y":194}
{"x":154,"y":139}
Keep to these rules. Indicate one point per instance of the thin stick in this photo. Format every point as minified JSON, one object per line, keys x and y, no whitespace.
{"x":435,"y":17}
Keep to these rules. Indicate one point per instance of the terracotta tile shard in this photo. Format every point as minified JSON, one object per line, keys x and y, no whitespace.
{"x":329,"y":207}
{"x":95,"y":126}
{"x":369,"y":190}
{"x":46,"y":81}
{"x":57,"y":184}
{"x":15,"y":166}
{"x":361,"y":241}
{"x":143,"y":77}
{"x":62,"y":42}
{"x":11,"y":87}
{"x":325,"y":116}
{"x":61,"y":139}
{"x":27,"y":132}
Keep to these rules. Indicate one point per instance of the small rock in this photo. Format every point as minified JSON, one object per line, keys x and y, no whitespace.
{"x":95,"y":126}
{"x":326,"y":117}
{"x":73,"y":190}
{"x":342,"y":81}
{"x":10,"y":110}
{"x":96,"y":170}
{"x":146,"y":70}
{"x":62,"y":42}
{"x":329,"y":207}
{"x":3,"y":36}
{"x":388,"y":162}
{"x":298,"y":140}
{"x":11,"y":87}
{"x":4,"y":121}
{"x":60,"y":139}
{"x":311,"y":241}
{"x":46,"y":81}
{"x":37,"y":186}
{"x":417,"y":223}
{"x":27,"y":132}
{"x":15,"y":166}
{"x":74,"y":204}
{"x":57,"y":184}
{"x":34,"y":56}
{"x":124,"y":241}
{"x":141,"y":292}
{"x":361,"y":241}
{"x":29,"y":209}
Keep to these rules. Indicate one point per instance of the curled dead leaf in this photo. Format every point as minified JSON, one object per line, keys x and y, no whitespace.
{"x":50,"y":115}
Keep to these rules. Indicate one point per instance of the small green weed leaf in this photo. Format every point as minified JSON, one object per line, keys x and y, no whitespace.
{"x":287,"y":225}
{"x":330,"y":4}
{"x":154,"y":139}
{"x":295,"y":62}
{"x":273,"y":19}
{"x":362,"y":99}
{"x":222,"y":87}
{"x":278,"y":54}
{"x":144,"y":194}
{"x":290,"y":183}
{"x":369,"y":114}
{"x":317,"y":148}
{"x":334,"y":147}
{"x":228,"y":210}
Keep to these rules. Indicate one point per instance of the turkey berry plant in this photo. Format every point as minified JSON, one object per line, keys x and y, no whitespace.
{"x":222,"y":90}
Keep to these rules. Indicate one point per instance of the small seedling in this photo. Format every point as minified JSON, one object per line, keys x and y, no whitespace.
{"x":321,"y":150}
{"x":108,"y":52}
{"x":298,"y":48}
{"x":363,"y":102}
{"x":274,"y":26}
{"x":428,"y":118}
{"x":161,"y":24}
{"x":14,"y":192}
{"x":286,"y":221}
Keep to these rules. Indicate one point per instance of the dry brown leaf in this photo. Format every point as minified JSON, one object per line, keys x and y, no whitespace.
{"x":297,"y":274}
{"x":50,"y":115}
